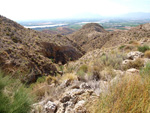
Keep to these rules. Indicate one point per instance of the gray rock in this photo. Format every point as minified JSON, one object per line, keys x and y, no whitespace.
{"x":61,"y":109}
{"x":132,"y":70}
{"x":84,"y":86}
{"x":134,"y":55}
{"x":50,"y":107}
{"x":79,"y":107}
{"x":74,"y":92}
{"x":126,"y":61}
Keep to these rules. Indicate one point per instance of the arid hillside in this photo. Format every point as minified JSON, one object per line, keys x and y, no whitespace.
{"x":93,"y":36}
{"x":31,"y":52}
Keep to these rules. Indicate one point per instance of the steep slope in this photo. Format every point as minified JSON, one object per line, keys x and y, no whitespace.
{"x":21,"y":50}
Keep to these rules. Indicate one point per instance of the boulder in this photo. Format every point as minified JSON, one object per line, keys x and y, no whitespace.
{"x":132,"y":70}
{"x":84,"y":86}
{"x":50,"y":107}
{"x":134,"y":55}
{"x":74,"y":92}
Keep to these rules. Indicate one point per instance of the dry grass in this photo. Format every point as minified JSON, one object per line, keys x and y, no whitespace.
{"x":147,"y":54}
{"x":69,"y":76}
{"x":131,"y":95}
{"x":51,"y":80}
{"x":127,"y":47}
{"x":107,"y":74}
{"x":39,"y":90}
{"x":138,"y":63}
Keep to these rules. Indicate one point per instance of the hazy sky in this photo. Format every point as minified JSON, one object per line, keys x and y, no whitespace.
{"x":51,"y":9}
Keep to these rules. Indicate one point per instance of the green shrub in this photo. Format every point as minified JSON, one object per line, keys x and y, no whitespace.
{"x":81,"y":73}
{"x":61,"y":68}
{"x":121,"y":47}
{"x":14,"y":97}
{"x":143,"y":48}
{"x":112,"y":60}
{"x":41,"y":79}
{"x":84,"y":68}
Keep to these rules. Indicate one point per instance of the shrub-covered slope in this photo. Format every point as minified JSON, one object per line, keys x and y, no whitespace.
{"x":21,"y":51}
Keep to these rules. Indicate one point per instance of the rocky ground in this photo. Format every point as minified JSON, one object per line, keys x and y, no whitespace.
{"x":78,"y":93}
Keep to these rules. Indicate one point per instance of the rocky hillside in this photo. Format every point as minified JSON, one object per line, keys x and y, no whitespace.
{"x":140,"y":33}
{"x":25,"y":50}
{"x":90,"y":84}
{"x":93,"y":36}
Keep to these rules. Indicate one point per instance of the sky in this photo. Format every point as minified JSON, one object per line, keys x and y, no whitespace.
{"x":21,"y":10}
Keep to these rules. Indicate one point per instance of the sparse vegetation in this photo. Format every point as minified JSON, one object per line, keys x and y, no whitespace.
{"x":121,"y":47}
{"x":69,"y":76}
{"x":138,"y":63}
{"x":51,"y":80}
{"x":135,"y":43}
{"x":84,"y":68}
{"x":41,"y":79}
{"x":113,"y":60}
